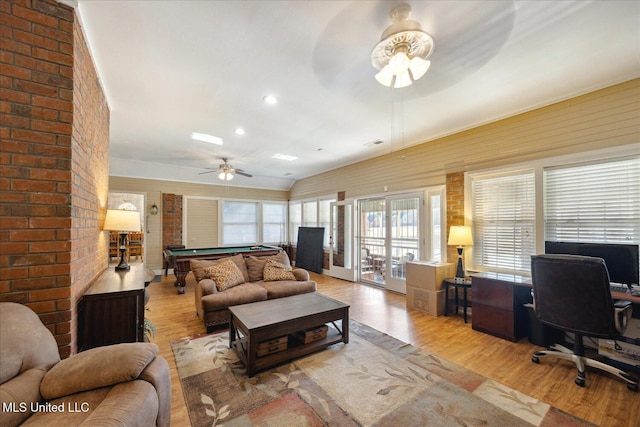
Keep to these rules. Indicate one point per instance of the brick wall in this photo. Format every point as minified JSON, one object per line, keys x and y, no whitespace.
{"x":50,"y":209}
{"x":455,"y":207}
{"x":171,"y":219}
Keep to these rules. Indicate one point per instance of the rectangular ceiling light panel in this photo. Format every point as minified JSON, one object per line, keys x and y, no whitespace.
{"x":206,"y":138}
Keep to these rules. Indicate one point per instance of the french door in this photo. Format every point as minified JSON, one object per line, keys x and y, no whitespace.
{"x":389,"y":236}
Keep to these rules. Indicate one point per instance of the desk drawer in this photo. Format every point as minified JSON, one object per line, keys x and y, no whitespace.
{"x":273,"y":345}
{"x":311,"y":335}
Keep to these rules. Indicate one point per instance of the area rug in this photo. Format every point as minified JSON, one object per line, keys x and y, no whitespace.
{"x":374,"y":380}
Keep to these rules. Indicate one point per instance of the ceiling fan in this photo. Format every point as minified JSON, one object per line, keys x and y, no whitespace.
{"x":226,"y":171}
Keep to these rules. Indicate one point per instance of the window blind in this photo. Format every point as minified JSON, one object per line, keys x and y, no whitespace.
{"x":239,"y":223}
{"x":597,"y":203}
{"x":274,"y":222}
{"x":504,"y":222}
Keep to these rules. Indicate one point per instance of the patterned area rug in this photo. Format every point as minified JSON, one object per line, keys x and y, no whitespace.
{"x":375,"y":380}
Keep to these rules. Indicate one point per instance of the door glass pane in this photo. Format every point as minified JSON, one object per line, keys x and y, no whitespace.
{"x":435,"y":228}
{"x":372,"y":240}
{"x":405,"y":235}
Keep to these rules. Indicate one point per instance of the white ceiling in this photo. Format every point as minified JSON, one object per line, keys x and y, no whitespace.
{"x":170,"y":68}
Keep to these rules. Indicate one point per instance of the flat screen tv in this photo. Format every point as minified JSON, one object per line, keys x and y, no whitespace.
{"x":621,"y":260}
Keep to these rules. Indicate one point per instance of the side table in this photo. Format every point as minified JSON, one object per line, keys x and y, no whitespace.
{"x":457,"y":284}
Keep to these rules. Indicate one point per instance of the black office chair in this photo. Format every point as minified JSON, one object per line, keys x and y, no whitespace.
{"x":571,"y":293}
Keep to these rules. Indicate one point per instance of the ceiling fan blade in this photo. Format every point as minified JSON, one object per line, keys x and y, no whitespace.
{"x":202,"y":173}
{"x":240,"y":172}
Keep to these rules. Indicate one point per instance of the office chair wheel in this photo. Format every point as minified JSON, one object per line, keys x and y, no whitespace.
{"x":580,"y":382}
{"x":535,"y":359}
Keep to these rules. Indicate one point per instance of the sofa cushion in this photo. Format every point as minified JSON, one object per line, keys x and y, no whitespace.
{"x":198,"y":266}
{"x":255,"y":264}
{"x":273,"y":271}
{"x":20,"y":391}
{"x":97,"y":367}
{"x":226,"y":275}
{"x":241,"y":294}
{"x":287,"y":288}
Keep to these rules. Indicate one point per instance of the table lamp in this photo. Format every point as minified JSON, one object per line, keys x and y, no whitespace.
{"x":460,"y":235}
{"x":123,"y":222}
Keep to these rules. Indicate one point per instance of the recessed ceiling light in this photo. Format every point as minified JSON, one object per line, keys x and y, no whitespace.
{"x":206,"y":138}
{"x":284,"y":157}
{"x":239,"y":131}
{"x":270,"y":99}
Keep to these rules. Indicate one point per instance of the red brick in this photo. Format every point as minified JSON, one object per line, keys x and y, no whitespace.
{"x":52,"y":33}
{"x":56,"y":9}
{"x":15,"y":47}
{"x":51,"y":150}
{"x":34,"y":186}
{"x":31,"y":136}
{"x":14,"y":71}
{"x":12,"y":21}
{"x":48,"y":294}
{"x":13,"y":222}
{"x":42,"y":307}
{"x":33,"y":16}
{"x":13,"y":273}
{"x":14,"y":247}
{"x":35,"y":40}
{"x":48,"y":126}
{"x":15,"y":121}
{"x":14,"y":96}
{"x":50,"y":175}
{"x":54,"y":57}
{"x":50,"y":222}
{"x":13,"y":197}
{"x":31,"y":259}
{"x":36,"y":64}
{"x":49,"y":199}
{"x":31,"y":235}
{"x":19,"y":297}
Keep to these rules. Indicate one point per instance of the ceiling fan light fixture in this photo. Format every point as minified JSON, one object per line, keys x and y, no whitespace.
{"x":402,"y":53}
{"x":225,"y":176}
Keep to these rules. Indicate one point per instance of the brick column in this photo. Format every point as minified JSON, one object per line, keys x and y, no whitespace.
{"x":455,"y":208}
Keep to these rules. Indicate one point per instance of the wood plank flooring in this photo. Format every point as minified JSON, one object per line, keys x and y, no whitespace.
{"x":605,"y":401}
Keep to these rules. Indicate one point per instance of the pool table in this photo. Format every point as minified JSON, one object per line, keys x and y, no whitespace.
{"x":178,"y":259}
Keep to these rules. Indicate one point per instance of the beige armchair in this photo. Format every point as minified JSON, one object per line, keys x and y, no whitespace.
{"x":122,"y":384}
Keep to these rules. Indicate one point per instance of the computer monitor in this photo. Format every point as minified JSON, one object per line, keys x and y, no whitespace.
{"x":621,"y":259}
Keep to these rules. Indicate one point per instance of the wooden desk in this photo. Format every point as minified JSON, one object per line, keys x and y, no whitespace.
{"x":112,"y":309}
{"x":498,"y":304}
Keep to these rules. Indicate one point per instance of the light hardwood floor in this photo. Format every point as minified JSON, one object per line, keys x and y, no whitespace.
{"x":605,"y":401}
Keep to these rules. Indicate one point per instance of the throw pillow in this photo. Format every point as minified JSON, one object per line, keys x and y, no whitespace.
{"x":198,"y":266}
{"x":255,"y":265}
{"x":273,"y":270}
{"x":226,"y":275}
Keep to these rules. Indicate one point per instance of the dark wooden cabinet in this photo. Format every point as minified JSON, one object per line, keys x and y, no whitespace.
{"x":498,"y":305}
{"x":112,"y":309}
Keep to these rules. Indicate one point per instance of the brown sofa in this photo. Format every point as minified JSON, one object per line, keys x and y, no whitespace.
{"x":212,"y":303}
{"x":123,"y":384}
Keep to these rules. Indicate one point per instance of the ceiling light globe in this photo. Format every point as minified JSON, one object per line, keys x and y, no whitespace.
{"x":399,"y":63}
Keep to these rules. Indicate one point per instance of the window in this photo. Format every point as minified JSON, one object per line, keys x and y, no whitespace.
{"x":310,"y":213}
{"x":597,"y":202}
{"x":503,"y":209}
{"x":274,"y":220}
{"x":239,"y":223}
{"x":295,"y":221}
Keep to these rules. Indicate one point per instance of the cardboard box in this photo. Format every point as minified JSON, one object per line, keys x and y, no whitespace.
{"x":620,"y":351}
{"x":428,"y":275}
{"x":431,"y":302}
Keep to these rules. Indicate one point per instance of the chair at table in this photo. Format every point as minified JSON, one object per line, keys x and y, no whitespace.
{"x":571,"y":293}
{"x":135,"y":244}
{"x":114,"y":245}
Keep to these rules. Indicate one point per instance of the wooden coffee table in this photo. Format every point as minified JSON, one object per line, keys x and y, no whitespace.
{"x":274,"y":321}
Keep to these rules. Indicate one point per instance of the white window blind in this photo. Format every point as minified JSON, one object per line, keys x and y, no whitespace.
{"x":504,"y":222}
{"x":295,"y":221}
{"x":274,"y":221}
{"x":597,"y":203}
{"x":239,"y":223}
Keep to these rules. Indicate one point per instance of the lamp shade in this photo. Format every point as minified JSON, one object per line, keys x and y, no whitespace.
{"x":460,"y":235}
{"x":120,"y":220}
